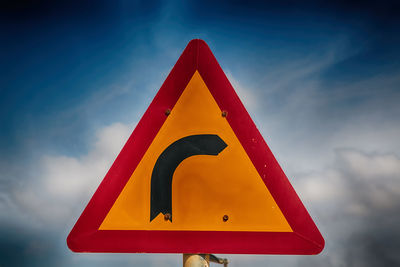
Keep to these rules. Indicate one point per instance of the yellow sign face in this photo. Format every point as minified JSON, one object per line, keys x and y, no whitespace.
{"x":209,"y":193}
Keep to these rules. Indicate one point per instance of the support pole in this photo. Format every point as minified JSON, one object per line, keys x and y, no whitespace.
{"x":196,"y":260}
{"x":202,"y":260}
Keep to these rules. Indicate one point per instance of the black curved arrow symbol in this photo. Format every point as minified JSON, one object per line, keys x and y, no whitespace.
{"x":168,"y":161}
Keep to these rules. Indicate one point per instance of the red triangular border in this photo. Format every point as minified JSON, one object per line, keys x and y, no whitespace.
{"x":305,"y":238}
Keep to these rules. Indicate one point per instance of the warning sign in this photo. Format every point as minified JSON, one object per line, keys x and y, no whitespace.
{"x":196,"y":176}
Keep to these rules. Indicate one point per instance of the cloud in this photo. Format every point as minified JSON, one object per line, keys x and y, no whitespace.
{"x":370,"y":166}
{"x":64,"y":183}
{"x":356,"y":202}
{"x":365,"y":181}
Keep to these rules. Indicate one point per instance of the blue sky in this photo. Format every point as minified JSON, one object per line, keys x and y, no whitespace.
{"x":321,"y":81}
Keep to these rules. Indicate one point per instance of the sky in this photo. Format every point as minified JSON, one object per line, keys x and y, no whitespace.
{"x":320,"y":80}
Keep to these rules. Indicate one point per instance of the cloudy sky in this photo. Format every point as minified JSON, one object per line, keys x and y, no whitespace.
{"x":321,"y":81}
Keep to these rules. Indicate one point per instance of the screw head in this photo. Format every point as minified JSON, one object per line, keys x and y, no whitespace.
{"x":167,"y":216}
{"x":225,"y":218}
{"x":224,"y":113}
{"x":167,"y":111}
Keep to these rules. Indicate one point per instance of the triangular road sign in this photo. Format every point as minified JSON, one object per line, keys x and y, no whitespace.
{"x":196,"y":176}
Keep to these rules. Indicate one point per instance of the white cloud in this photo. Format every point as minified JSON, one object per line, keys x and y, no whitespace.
{"x":355,"y":184}
{"x":355,"y":202}
{"x":62,"y":183}
{"x":371,"y":166}
{"x":321,"y":187}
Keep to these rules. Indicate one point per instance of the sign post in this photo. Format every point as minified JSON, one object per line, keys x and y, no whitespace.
{"x":196,"y":176}
{"x":196,"y":260}
{"x":203,"y":260}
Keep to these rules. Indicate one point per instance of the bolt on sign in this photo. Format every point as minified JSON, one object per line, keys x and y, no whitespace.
{"x":196,"y":176}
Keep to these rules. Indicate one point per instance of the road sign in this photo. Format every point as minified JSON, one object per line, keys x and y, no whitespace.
{"x":196,"y":176}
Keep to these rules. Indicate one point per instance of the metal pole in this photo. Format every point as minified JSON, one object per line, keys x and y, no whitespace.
{"x":196,"y":260}
{"x":202,"y":260}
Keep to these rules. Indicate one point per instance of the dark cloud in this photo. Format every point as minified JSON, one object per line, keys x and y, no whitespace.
{"x":376,"y":240}
{"x":358,"y":213}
